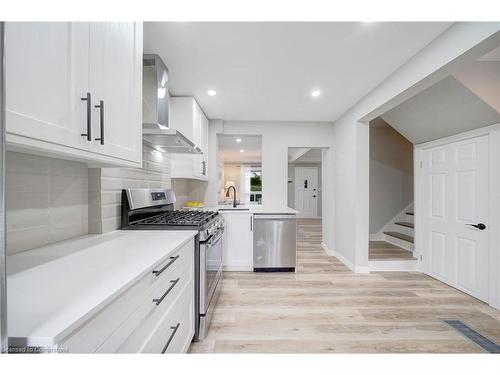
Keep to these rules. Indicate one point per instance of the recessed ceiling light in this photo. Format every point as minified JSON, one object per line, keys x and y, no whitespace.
{"x":242,"y":150}
{"x":316,"y":93}
{"x":238,"y":140}
{"x":211,"y":92}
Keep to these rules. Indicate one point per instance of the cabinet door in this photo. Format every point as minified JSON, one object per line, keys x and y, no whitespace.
{"x":182,"y":116}
{"x":46,"y":77}
{"x":182,"y":166}
{"x":204,"y":144}
{"x":197,"y":115}
{"x":238,"y":246}
{"x":116,"y":79}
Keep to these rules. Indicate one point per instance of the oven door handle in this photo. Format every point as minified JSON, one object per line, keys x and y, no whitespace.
{"x":214,"y":239}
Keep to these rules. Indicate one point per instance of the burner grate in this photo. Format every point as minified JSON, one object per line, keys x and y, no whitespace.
{"x":181,"y":218}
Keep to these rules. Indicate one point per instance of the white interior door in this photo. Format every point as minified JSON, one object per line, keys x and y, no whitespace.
{"x":306,"y":191}
{"x":455,"y":195}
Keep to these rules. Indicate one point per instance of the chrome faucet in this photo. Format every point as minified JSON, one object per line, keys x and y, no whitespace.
{"x":234,"y":195}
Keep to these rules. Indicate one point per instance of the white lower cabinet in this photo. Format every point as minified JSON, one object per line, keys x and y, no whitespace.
{"x":155,"y":315}
{"x":238,"y":241}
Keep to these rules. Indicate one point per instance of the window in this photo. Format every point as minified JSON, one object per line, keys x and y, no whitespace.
{"x":254,"y":185}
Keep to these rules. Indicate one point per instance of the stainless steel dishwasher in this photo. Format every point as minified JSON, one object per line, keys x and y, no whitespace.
{"x":274,"y":242}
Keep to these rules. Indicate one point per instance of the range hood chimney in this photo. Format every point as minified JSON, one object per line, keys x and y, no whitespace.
{"x":156,"y":132}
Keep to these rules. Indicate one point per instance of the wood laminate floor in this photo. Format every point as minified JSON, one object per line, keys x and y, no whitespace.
{"x":325,"y":308}
{"x":382,"y":250}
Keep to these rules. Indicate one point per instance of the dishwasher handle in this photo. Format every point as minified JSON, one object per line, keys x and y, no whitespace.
{"x":274,"y":217}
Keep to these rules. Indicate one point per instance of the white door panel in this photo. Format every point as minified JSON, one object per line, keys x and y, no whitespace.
{"x":306,"y":191}
{"x":455,"y":195}
{"x":47,"y":75}
{"x":116,"y":79}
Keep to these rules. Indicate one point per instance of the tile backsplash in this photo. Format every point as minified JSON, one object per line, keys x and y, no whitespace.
{"x":46,"y":200}
{"x":50,"y":200}
{"x":106,"y":184}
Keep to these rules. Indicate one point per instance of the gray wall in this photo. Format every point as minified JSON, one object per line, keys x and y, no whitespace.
{"x":50,"y":200}
{"x":391,"y":174}
{"x":291,"y":186}
{"x":46,"y":199}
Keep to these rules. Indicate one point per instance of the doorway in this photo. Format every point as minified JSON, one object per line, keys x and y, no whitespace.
{"x":391,"y":199}
{"x":304,"y":181}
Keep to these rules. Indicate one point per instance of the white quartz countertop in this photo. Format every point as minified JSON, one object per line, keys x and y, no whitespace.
{"x":54,"y":289}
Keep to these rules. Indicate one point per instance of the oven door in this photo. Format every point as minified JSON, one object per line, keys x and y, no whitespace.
{"x":210,"y":269}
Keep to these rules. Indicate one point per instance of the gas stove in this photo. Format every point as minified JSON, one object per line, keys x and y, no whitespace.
{"x":181,"y":218}
{"x":154,"y":209}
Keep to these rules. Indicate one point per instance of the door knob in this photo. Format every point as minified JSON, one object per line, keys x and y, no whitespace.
{"x":479,"y":226}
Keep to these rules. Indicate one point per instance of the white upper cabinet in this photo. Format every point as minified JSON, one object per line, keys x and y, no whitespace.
{"x":187,"y":117}
{"x":116,"y":80}
{"x":51,"y":71}
{"x":46,"y":77}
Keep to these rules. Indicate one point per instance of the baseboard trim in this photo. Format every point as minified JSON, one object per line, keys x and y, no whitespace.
{"x":327,"y":250}
{"x":393,"y":265}
{"x":345,"y":261}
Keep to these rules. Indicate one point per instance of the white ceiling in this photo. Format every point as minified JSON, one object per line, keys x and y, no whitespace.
{"x":492,"y":55}
{"x":444,"y":109}
{"x":229,"y":149}
{"x":309,"y":155}
{"x":266,"y":71}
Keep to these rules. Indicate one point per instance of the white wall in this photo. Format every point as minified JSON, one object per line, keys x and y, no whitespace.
{"x":483,"y":78}
{"x":277,"y":137}
{"x":232,"y":172}
{"x":46,"y":201}
{"x":461,"y":44}
{"x":391,"y":174}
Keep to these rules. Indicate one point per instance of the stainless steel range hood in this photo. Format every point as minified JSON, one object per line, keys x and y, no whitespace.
{"x":168,"y":140}
{"x":155,"y":107}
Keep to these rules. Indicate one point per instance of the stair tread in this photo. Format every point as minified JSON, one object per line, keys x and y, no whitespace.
{"x":410,"y":213}
{"x":405,"y":224}
{"x":401,"y":236}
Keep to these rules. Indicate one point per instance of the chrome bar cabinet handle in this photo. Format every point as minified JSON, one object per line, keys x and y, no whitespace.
{"x":101,"y":120}
{"x":174,"y":331}
{"x":172,"y":260}
{"x":89,"y":117}
{"x":160,"y":300}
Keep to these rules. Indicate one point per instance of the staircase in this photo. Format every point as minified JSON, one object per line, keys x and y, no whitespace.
{"x":391,"y":249}
{"x":399,"y":231}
